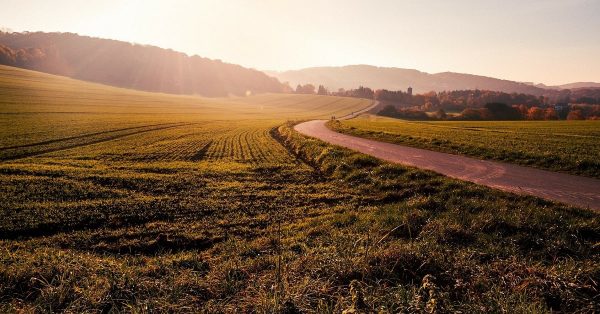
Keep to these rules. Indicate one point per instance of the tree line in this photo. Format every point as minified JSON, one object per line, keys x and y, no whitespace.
{"x":578,"y":104}
{"x":500,"y":111}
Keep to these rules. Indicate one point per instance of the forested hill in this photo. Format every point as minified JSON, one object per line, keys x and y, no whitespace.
{"x":353,"y":76}
{"x":129,"y":65}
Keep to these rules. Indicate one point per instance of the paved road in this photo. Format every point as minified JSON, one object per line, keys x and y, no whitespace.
{"x":574,"y":190}
{"x":357,"y":113}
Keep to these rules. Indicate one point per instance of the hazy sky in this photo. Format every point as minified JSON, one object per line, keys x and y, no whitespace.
{"x":549,"y":41}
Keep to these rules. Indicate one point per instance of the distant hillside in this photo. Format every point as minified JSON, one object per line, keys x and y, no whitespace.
{"x":399,"y":79}
{"x":129,"y":65}
{"x":579,"y":85}
{"x":585,"y":94}
{"x":576,"y":85}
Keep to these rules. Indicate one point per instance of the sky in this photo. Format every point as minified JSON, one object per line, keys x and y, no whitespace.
{"x":541,"y":41}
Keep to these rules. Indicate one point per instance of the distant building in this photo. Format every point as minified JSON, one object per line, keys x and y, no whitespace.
{"x":409,"y":91}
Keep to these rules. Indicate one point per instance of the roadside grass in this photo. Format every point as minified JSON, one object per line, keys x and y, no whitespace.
{"x":455,"y":245}
{"x":566,"y":146}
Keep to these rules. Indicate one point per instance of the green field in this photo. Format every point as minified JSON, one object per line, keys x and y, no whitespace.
{"x":122,"y":201}
{"x":565,"y":146}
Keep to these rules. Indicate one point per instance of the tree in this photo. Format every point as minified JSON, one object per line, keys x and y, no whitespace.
{"x":287,"y":88}
{"x":594,"y":113}
{"x":575,"y":115}
{"x":7,"y":56}
{"x":501,"y":111}
{"x":305,"y":89}
{"x":586,"y":100}
{"x":398,"y":97}
{"x":550,"y":114}
{"x":389,"y":111}
{"x":428,"y":106}
{"x":129,"y":65}
{"x":362,"y":92}
{"x":470,"y":114}
{"x":322,"y":90}
{"x":441,"y":114}
{"x":535,"y":113}
{"x":485,"y":114}
{"x":522,"y":109}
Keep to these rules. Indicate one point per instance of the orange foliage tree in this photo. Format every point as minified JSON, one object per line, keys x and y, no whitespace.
{"x":550,"y":114}
{"x":535,"y":113}
{"x":575,"y":115}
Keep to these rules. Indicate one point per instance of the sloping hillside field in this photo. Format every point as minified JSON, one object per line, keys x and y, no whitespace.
{"x":125,"y":201}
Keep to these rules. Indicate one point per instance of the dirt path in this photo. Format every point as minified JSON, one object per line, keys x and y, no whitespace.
{"x":574,"y":190}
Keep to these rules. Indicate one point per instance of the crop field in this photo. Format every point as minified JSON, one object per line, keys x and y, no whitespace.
{"x":123,"y":201}
{"x":565,"y":146}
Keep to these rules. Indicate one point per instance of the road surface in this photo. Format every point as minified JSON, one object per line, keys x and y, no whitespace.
{"x":359,"y":112}
{"x":569,"y":189}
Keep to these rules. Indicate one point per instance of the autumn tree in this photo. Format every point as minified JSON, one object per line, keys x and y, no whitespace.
{"x":575,"y":115}
{"x":550,"y":114}
{"x":535,"y":113}
{"x":522,"y":109}
{"x":594,"y":113}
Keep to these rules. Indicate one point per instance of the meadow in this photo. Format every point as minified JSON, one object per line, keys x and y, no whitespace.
{"x":124,"y":201}
{"x":565,"y":146}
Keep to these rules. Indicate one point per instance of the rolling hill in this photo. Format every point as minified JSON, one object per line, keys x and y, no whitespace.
{"x":353,"y":76}
{"x":41,"y":113}
{"x":127,"y":65}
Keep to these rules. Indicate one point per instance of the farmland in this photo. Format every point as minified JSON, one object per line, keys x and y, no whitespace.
{"x":565,"y":146}
{"x":125,"y":201}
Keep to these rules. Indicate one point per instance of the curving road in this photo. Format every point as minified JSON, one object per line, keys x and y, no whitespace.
{"x":569,"y":189}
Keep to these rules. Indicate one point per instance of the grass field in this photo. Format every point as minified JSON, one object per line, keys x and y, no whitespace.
{"x":124,"y":201}
{"x":565,"y":146}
